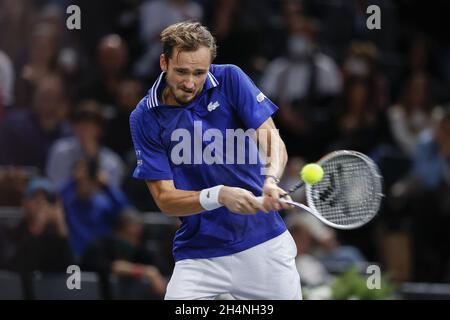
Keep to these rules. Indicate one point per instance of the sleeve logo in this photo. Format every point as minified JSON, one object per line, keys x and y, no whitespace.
{"x":138,"y":156}
{"x":260,"y":97}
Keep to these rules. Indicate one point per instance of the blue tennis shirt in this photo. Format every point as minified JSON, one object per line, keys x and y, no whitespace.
{"x":198,"y":146}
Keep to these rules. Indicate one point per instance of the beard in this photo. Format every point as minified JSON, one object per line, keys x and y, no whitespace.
{"x":182,"y":99}
{"x":181,"y":95}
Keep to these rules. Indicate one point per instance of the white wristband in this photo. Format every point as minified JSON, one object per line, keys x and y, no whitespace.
{"x":209,"y":198}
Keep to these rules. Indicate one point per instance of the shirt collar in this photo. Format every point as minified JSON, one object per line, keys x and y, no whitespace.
{"x":153,"y":101}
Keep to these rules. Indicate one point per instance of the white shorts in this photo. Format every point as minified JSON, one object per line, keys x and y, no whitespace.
{"x":264,"y":272}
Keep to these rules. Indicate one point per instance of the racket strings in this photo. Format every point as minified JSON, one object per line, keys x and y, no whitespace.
{"x":349,"y":193}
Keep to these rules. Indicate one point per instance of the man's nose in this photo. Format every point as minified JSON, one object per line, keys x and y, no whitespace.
{"x":189,"y":84}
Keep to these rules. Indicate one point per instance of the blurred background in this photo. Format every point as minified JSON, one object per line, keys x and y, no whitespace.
{"x":66,"y":157}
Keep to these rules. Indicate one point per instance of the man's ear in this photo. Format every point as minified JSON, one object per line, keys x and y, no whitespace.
{"x":163,"y":62}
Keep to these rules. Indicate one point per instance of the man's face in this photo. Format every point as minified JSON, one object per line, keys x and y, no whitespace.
{"x":34,"y":205}
{"x":186,"y":73}
{"x":87,"y":131}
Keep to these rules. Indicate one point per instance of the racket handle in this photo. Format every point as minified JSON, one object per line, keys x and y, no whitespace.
{"x":290,"y":191}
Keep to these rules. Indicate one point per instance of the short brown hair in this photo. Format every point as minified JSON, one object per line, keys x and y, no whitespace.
{"x":89,"y":111}
{"x":187,"y":36}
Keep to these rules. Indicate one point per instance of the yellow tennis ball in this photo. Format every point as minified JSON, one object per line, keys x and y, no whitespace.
{"x":312,"y":173}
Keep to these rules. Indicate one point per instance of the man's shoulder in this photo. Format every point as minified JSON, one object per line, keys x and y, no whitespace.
{"x":229,"y":76}
{"x":224,"y":70}
{"x":141,"y":106}
{"x":142,"y":112}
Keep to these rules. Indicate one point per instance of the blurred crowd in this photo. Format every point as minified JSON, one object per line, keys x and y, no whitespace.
{"x":66,"y":155}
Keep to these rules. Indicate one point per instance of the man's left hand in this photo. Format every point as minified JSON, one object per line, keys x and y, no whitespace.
{"x":272,"y":194}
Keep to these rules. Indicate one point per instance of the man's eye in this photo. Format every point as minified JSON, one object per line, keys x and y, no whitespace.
{"x":199,"y":73}
{"x":181,"y":72}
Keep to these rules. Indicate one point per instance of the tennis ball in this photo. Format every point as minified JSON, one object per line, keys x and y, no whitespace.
{"x":311,"y":173}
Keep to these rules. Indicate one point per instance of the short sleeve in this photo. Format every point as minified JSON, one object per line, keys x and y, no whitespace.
{"x":252,"y":106}
{"x":152,"y":160}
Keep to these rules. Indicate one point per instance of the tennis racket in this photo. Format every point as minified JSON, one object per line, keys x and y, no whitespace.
{"x":349,"y":194}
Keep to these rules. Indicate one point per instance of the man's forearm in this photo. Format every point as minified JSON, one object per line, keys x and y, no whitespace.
{"x":179,"y":203}
{"x":278,"y":158}
{"x":273,"y":148}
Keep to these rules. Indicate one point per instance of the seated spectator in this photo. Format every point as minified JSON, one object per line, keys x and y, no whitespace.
{"x":154,"y":16}
{"x":118,"y":138}
{"x":26,"y":135}
{"x":110,"y":68}
{"x":13,"y":183}
{"x":122,"y":254}
{"x":41,"y":61}
{"x":432,"y":158}
{"x":40,"y":241}
{"x":423,"y":197}
{"x":91,"y":204}
{"x":413,"y":114}
{"x":88,"y":123}
{"x":305,"y":71}
{"x":117,"y":131}
{"x":430,"y":170}
{"x":334,"y":256}
{"x":305,"y":84}
{"x":360,"y":123}
{"x":362,"y":61}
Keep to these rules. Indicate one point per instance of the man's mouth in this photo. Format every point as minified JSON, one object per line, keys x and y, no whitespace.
{"x":187,"y":91}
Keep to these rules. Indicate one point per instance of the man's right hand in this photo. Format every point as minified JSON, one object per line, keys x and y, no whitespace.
{"x":240,"y":201}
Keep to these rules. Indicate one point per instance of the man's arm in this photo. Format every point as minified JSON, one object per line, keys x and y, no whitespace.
{"x":180,"y":203}
{"x":172,"y":201}
{"x":274,"y":149}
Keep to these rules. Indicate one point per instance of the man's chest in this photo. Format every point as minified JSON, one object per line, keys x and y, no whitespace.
{"x":211,"y":115}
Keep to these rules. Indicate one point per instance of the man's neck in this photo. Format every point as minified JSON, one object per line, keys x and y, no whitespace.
{"x":167,"y":97}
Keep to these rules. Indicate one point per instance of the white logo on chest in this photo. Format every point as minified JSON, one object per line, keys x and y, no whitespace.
{"x":213,"y":105}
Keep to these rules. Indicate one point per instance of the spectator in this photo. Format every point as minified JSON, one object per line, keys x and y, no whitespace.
{"x":16,"y":25}
{"x":345,"y":21}
{"x":112,"y":60}
{"x":26,"y":135}
{"x":360,"y":124}
{"x":305,"y":71}
{"x":88,"y":124}
{"x":362,"y":62}
{"x":425,"y":190}
{"x":154,"y":17}
{"x":305,"y":85}
{"x":334,"y":256}
{"x":431,"y":160}
{"x":91,"y":204}
{"x":117,"y":135}
{"x":248,"y":25}
{"x":13,"y":183}
{"x":40,"y":241}
{"x":41,"y":61}
{"x":415,"y":113}
{"x":122,"y":254}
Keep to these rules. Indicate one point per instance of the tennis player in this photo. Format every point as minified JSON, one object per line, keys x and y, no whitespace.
{"x":183,"y":132}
